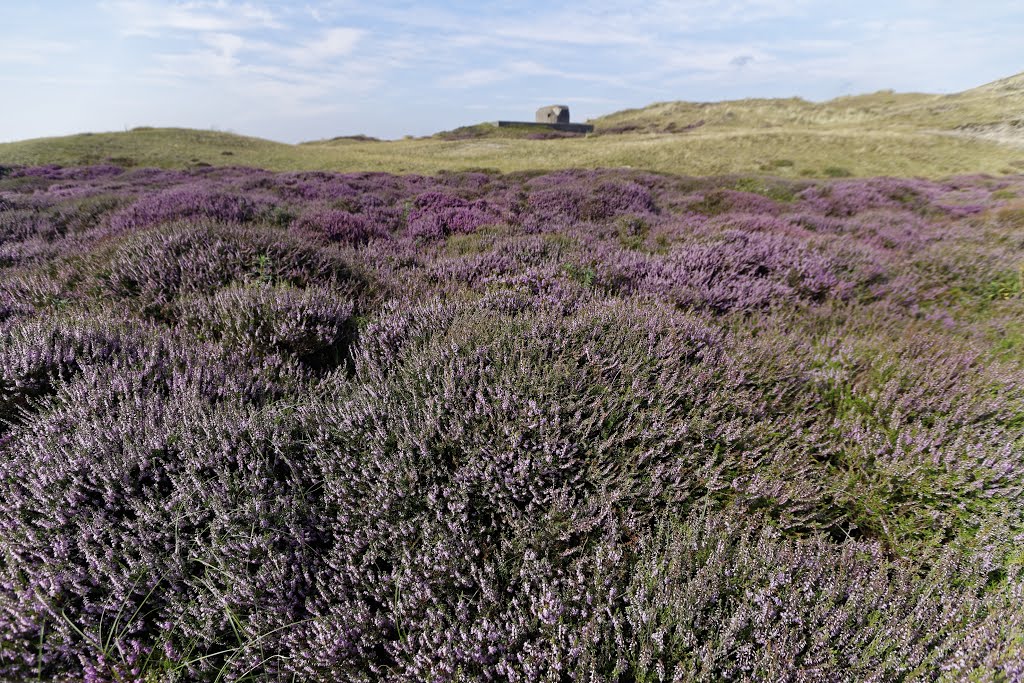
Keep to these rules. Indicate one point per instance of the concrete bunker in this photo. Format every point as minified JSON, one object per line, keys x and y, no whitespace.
{"x":554,"y":117}
{"x":555,"y":113}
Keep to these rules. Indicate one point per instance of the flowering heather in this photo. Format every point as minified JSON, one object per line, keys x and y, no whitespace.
{"x":581,"y":426}
{"x":587,"y":199}
{"x":436,"y":215}
{"x":183,"y":202}
{"x":340,"y":226}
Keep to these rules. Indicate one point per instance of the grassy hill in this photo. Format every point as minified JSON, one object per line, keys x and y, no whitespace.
{"x":977,"y":131}
{"x":993,"y":105}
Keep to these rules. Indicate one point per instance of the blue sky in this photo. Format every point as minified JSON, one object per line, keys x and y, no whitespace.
{"x":296,"y":71}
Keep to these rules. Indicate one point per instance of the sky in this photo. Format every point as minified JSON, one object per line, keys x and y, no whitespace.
{"x":294,"y":71}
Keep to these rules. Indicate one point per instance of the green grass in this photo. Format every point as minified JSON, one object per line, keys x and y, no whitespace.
{"x":974,"y":112}
{"x":977,"y":131}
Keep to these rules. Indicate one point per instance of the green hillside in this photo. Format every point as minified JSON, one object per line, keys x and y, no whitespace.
{"x":991,"y":105}
{"x":885,"y":133}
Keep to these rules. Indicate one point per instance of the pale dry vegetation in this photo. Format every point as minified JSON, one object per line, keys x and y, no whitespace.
{"x":885,"y":133}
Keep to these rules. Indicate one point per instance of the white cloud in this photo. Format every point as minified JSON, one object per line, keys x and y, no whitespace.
{"x":281,"y":62}
{"x":518,"y":69}
{"x":243,"y":73}
{"x":219,"y":53}
{"x":151,"y":17}
{"x":217,"y":59}
{"x":473,"y":78}
{"x":569,"y":30}
{"x":331,"y":44}
{"x":227,"y":44}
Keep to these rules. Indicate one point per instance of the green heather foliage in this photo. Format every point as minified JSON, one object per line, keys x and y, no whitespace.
{"x":582,"y":426}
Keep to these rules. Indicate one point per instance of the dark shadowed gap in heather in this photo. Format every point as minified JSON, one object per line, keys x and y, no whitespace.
{"x":584,"y":425}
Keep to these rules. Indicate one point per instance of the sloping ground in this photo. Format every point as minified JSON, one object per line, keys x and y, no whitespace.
{"x":791,"y":152}
{"x":979,"y":117}
{"x":160,"y":147}
{"x":977,"y":131}
{"x":995,"y":103}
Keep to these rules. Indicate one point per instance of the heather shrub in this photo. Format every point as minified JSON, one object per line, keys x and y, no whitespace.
{"x":32,"y":250}
{"x":922,"y":436}
{"x":40,"y":233}
{"x":720,"y":201}
{"x":24,"y":291}
{"x":436,"y":215}
{"x":41,"y":352}
{"x":577,"y":426}
{"x":163,"y":555}
{"x":916,"y":451}
{"x":18,"y":225}
{"x":847,"y":198}
{"x":184,"y":202}
{"x":80,"y":173}
{"x":277,"y":215}
{"x":489,"y":259}
{"x":739,"y":270}
{"x":305,"y":186}
{"x":340,"y":226}
{"x":590,"y":203}
{"x":155,"y":267}
{"x":313,"y":325}
{"x":386,"y":218}
{"x":632,"y":231}
{"x":461,"y":441}
{"x":462,"y":438}
{"x":87,"y":213}
{"x":47,"y":171}
{"x":711,"y":599}
{"x":624,"y":198}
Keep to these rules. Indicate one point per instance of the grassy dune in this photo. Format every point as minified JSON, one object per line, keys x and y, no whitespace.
{"x":878,"y":134}
{"x":993,"y":103}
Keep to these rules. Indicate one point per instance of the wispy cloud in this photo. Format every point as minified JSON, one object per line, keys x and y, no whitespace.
{"x":328,"y":45}
{"x":230,"y":54}
{"x":519,"y":69}
{"x":151,"y":17}
{"x":270,"y":72}
{"x":568,"y":29}
{"x":504,"y":72}
{"x":357,"y":65}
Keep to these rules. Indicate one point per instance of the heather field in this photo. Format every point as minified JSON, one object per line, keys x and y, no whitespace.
{"x":577,"y":426}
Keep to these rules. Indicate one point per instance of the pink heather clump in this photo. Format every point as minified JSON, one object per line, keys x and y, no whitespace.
{"x":186,"y":202}
{"x":590,"y":425}
{"x":340,"y":226}
{"x":436,"y":214}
